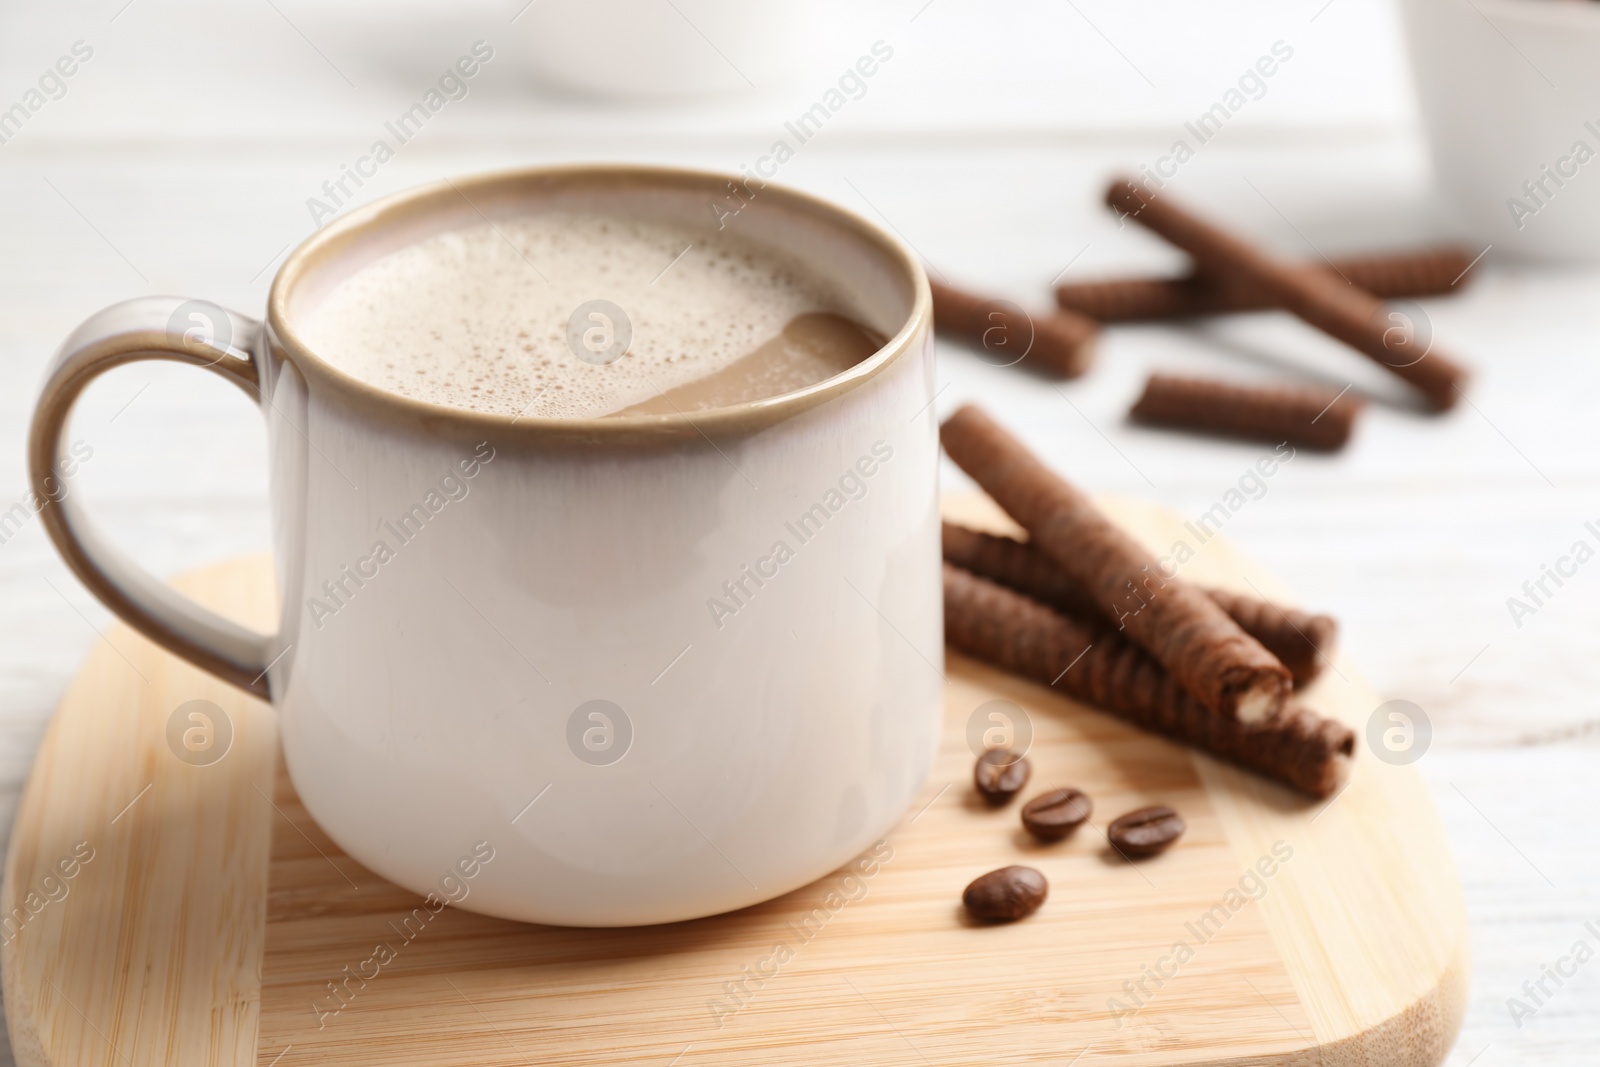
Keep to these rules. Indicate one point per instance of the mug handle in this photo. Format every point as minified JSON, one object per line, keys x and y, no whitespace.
{"x":156,"y":327}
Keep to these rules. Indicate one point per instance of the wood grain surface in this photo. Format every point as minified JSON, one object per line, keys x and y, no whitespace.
{"x":215,"y":925}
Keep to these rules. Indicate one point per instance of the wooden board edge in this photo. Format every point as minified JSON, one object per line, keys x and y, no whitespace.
{"x":148,"y":805}
{"x":26,"y":1017}
{"x":21,"y":1014}
{"x":1420,"y":1036}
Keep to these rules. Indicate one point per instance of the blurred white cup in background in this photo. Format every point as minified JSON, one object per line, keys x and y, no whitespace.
{"x":1510,"y":95}
{"x":633,"y":49}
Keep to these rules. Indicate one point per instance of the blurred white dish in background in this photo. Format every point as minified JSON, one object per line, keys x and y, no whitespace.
{"x":629,"y":49}
{"x":1510,"y":95}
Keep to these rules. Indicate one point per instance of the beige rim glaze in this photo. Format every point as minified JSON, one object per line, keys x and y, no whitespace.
{"x":348,"y":232}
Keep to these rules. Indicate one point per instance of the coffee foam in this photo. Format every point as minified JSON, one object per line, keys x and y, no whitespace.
{"x":477,"y":317}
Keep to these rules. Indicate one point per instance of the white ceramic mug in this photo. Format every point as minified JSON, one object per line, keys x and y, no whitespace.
{"x":665,"y":668}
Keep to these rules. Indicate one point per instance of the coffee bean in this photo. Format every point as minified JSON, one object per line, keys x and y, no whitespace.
{"x":1146,"y":831}
{"x":1000,"y":775}
{"x":1006,"y":895}
{"x":1053,"y":815}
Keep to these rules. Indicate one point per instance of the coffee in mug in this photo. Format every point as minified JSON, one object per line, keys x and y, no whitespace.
{"x":673,"y":319}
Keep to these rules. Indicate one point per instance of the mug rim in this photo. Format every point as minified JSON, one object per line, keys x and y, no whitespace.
{"x":739,"y":419}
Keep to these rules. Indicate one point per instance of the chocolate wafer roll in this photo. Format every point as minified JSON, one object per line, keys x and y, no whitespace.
{"x":1315,"y":418}
{"x":1294,"y":745}
{"x":1429,"y":272}
{"x":1019,"y":566}
{"x":1342,"y":311}
{"x":1401,"y":274}
{"x":1143,"y":299}
{"x":1220,"y":665}
{"x":1300,"y":639}
{"x":1058,"y":343}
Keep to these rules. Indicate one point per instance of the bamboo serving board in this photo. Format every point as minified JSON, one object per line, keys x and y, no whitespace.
{"x":206,"y":915}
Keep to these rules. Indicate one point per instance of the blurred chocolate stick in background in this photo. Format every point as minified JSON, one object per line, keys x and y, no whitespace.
{"x":1056,"y":343}
{"x":1340,"y":310}
{"x":1307,"y":416}
{"x":1430,"y":272}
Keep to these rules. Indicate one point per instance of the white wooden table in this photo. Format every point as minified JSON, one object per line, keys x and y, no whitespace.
{"x":181,"y":156}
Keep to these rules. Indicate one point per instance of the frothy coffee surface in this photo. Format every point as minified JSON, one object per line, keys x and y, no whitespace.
{"x":478,"y":317}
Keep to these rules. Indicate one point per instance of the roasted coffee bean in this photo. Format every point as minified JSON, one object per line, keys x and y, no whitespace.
{"x":1000,"y":775}
{"x":1053,"y":815}
{"x":1006,"y":895}
{"x":1146,"y":831}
